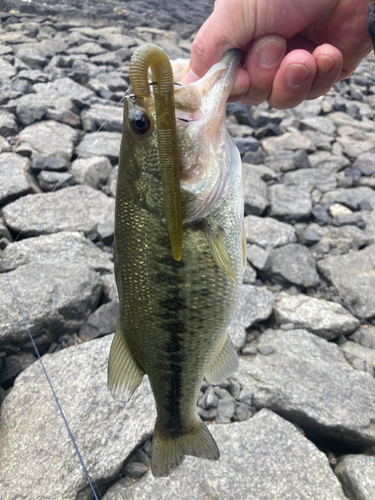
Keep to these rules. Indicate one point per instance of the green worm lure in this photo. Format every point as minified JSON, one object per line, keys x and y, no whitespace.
{"x":151,"y":56}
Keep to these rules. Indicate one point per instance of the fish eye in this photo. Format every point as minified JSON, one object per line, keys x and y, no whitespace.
{"x":140,"y":122}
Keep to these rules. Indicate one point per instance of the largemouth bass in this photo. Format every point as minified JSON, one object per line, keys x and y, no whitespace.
{"x":175,"y":308}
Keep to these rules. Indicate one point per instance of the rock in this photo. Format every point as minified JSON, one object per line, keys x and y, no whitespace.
{"x":51,"y":181}
{"x":293,"y":264}
{"x":135,"y":469}
{"x":285,"y":161}
{"x":77,"y":208}
{"x":105,"y":318}
{"x":365,"y":163}
{"x":56,"y":248}
{"x":312,"y":178}
{"x":327,"y":319}
{"x":308,"y":380}
{"x":14,"y":177}
{"x":268,"y":232}
{"x":6,"y":69}
{"x":257,"y":445}
{"x":91,"y":171}
{"x":14,"y":365}
{"x":359,"y":354}
{"x":337,"y":209}
{"x":350,"y":197}
{"x":353,"y":276}
{"x":49,"y":164}
{"x":357,"y":476}
{"x":255,"y":305}
{"x":105,"y":437}
{"x":54,"y":300}
{"x":100,"y":144}
{"x":352,"y":219}
{"x":103,"y":117}
{"x":8,"y":125}
{"x":255,"y":192}
{"x":328,"y":161}
{"x":249,"y":275}
{"x":337,"y":239}
{"x":289,"y":202}
{"x":318,"y":123}
{"x":49,"y":138}
{"x":288,"y":141}
{"x":258,"y":257}
{"x":365,"y":335}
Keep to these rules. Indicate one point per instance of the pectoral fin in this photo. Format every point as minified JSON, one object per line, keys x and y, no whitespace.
{"x":218,"y":250}
{"x":224,"y":363}
{"x":124,"y":374}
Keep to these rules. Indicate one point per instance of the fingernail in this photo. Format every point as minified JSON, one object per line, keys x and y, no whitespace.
{"x":269,"y":53}
{"x":190,"y":77}
{"x":325,"y":64}
{"x":296,"y":74}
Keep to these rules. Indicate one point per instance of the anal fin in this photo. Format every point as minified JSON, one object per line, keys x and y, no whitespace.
{"x":124,"y":374}
{"x":218,"y":250}
{"x":224,"y":363}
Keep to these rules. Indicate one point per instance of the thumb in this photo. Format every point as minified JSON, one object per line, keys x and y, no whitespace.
{"x":230,"y":26}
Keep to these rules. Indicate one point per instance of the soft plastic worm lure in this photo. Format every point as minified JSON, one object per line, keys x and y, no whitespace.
{"x":151,"y":56}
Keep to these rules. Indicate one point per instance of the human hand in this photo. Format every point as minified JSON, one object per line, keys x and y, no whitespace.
{"x":292,"y":49}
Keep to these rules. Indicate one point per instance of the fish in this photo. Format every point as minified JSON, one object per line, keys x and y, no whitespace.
{"x":178,"y":288}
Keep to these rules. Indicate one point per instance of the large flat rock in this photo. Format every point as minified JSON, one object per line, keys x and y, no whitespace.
{"x":268,"y":232}
{"x":49,"y":138}
{"x":353,"y":275}
{"x":327,"y":319}
{"x":307,"y":380}
{"x":77,"y":208}
{"x":56,"y":248}
{"x":14,"y":177}
{"x":55,"y":299}
{"x":261,"y":459}
{"x":32,"y":430}
{"x":357,"y":475}
{"x":100,"y":144}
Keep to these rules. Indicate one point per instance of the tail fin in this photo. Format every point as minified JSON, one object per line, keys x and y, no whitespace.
{"x":169,"y":452}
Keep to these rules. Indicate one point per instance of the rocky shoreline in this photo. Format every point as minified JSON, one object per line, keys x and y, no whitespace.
{"x":300,"y":412}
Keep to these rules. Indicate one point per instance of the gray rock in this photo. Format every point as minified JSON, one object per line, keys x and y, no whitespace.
{"x":365,"y":163}
{"x":353,"y":219}
{"x":77,"y":208}
{"x":369,"y":218}
{"x":288,"y":141}
{"x":353,"y":276}
{"x":6,"y":69}
{"x":258,"y":257}
{"x":293,"y":264}
{"x":289,"y":202}
{"x":112,"y":182}
{"x":312,"y":178}
{"x":358,"y":354}
{"x":338,"y":239}
{"x":54,"y":300}
{"x":105,"y":318}
{"x":14,"y":177}
{"x":255,"y":192}
{"x":56,"y":249}
{"x":91,"y":171}
{"x":105,"y":430}
{"x":135,"y":469}
{"x":14,"y":365}
{"x":326,"y":319}
{"x":255,"y":305}
{"x":108,"y":118}
{"x":350,"y":197}
{"x":283,"y":463}
{"x":8,"y":125}
{"x":307,"y":380}
{"x":285,"y":161}
{"x":100,"y":144}
{"x":49,"y":138}
{"x":268,"y":232}
{"x":328,"y":161}
{"x":249,"y":275}
{"x":365,"y":335}
{"x":51,"y":181}
{"x":357,"y":476}
{"x":319,"y":124}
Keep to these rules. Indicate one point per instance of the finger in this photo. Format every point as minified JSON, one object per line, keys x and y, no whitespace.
{"x":261,"y":63}
{"x":293,"y":80}
{"x":329,"y":63}
{"x":231,"y":25}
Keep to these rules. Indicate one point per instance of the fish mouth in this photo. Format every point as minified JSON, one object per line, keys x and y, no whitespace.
{"x":203,"y":137}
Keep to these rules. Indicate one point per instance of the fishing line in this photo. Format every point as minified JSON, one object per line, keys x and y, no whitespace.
{"x":49,"y":382}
